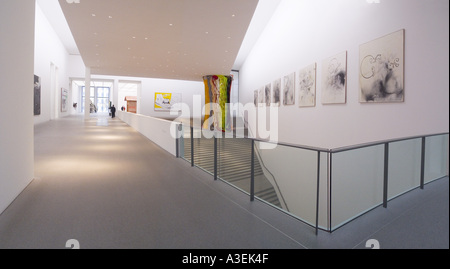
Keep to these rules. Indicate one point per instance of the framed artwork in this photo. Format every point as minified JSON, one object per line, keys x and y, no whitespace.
{"x":276,"y":92}
{"x":289,"y":89}
{"x":167,"y":101}
{"x":255,"y":97}
{"x":261,"y":99}
{"x":334,"y":83}
{"x":64,"y":95}
{"x":381,"y":70}
{"x":306,"y":83}
{"x":37,"y":95}
{"x":267,"y":94}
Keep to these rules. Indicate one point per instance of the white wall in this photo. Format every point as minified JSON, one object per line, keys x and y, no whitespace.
{"x":16,"y":117}
{"x":302,"y":32}
{"x":149,"y":86}
{"x":49,"y":50}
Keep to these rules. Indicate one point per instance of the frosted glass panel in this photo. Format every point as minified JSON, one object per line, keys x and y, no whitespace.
{"x":436,"y":157}
{"x":293,"y":174}
{"x":404,"y":166}
{"x":356,"y":183}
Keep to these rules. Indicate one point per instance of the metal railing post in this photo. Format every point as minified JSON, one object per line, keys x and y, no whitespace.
{"x":215,"y":157}
{"x":386,"y":174}
{"x":422,"y":164}
{"x":317,"y":197}
{"x":252,"y":179}
{"x":192,"y":146}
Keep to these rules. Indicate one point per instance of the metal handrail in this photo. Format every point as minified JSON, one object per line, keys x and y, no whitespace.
{"x":330,"y":152}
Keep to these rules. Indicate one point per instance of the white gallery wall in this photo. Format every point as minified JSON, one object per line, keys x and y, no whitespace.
{"x":16,"y":117}
{"x":51,"y":64}
{"x":303,"y":32}
{"x":148,"y":88}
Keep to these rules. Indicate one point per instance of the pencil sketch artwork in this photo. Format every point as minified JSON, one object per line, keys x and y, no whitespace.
{"x":334,"y":84}
{"x":289,"y":89}
{"x":255,"y":98}
{"x":307,"y":86}
{"x":261,"y":99}
{"x":276,"y":92}
{"x":381,"y":74}
{"x":267,"y":94}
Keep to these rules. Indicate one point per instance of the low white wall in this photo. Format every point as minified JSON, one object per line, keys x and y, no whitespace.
{"x":157,"y":130}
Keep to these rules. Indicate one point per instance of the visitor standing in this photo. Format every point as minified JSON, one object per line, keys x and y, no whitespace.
{"x":113,"y":112}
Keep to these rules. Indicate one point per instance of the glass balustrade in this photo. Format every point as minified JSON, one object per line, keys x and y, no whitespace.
{"x":325,"y":188}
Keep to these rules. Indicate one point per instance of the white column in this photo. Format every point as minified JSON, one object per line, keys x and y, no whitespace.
{"x":87,"y":94}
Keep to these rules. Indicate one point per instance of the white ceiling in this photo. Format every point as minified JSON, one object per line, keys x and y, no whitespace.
{"x":170,"y":39}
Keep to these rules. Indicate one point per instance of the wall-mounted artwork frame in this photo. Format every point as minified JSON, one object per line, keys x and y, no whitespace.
{"x":289,"y":89}
{"x":276,"y":92}
{"x":37,"y":96}
{"x":381,"y":69}
{"x":64,"y":99}
{"x":334,"y":79}
{"x":167,"y":101}
{"x":306,"y":83}
{"x":261,"y":99}
{"x":268,"y":94}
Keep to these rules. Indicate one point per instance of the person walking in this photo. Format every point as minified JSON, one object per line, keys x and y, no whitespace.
{"x":113,"y":112}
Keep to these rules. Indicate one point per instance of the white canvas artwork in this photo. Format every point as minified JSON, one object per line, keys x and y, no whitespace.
{"x":268,"y":94}
{"x":261,"y":99}
{"x":276,"y":92}
{"x":381,"y":74}
{"x":306,"y":84}
{"x":334,"y":83}
{"x":289,"y":89}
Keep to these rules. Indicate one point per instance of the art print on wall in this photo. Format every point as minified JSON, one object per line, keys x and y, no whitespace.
{"x":334,"y":83}
{"x":64,"y":96}
{"x":255,"y":97}
{"x":167,"y":101}
{"x":37,"y":96}
{"x":381,"y":74}
{"x":289,"y":89}
{"x":261,"y":99}
{"x":268,"y":94}
{"x":307,"y":86}
{"x":276,"y":92}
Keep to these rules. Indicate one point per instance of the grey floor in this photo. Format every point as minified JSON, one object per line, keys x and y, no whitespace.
{"x":102,"y":183}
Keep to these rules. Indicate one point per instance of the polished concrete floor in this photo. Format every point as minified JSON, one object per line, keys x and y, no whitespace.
{"x":102,"y":183}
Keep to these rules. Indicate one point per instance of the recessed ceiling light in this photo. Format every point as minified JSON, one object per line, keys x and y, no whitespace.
{"x":206,"y":32}
{"x":233,"y":15}
{"x":170,"y":24}
{"x":93,"y":15}
{"x":110,"y":17}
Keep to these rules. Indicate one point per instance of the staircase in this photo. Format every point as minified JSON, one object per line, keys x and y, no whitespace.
{"x":234,"y":164}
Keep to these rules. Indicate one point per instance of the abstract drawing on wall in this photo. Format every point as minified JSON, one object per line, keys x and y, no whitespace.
{"x":64,"y":96}
{"x":276,"y":92}
{"x":307,"y":86}
{"x":381,"y":74}
{"x":334,"y":83}
{"x":268,"y":94}
{"x":217,"y":95}
{"x":289,"y":89}
{"x":37,"y":95}
{"x":261,"y":100}
{"x":255,"y":97}
{"x":167,"y":101}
